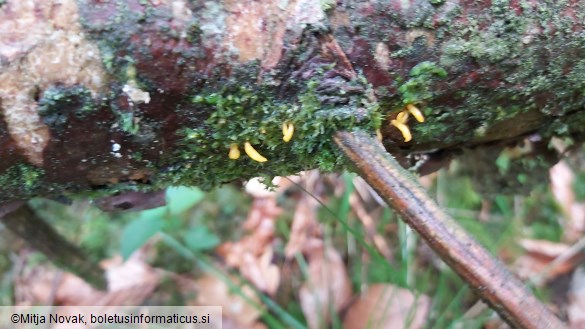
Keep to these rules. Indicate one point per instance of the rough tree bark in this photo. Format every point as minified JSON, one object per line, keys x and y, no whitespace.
{"x":99,"y":97}
{"x":115,"y":95}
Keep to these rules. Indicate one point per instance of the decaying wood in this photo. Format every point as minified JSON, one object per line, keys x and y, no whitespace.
{"x":487,"y":276}
{"x":126,"y":95}
{"x":138,"y":95}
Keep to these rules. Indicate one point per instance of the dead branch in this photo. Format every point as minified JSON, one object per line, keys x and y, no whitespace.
{"x":486,"y":275}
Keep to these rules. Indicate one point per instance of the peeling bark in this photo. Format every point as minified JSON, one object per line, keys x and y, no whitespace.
{"x":107,"y":96}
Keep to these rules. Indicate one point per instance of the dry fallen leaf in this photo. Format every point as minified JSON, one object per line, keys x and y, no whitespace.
{"x":576,"y":307}
{"x":304,"y":226}
{"x":561,"y":179}
{"x":545,"y":260}
{"x":213,"y":291}
{"x":252,"y":255}
{"x":387,"y":306}
{"x":327,"y":289}
{"x":260,"y":271}
{"x":369,"y":224}
{"x":129,"y":283}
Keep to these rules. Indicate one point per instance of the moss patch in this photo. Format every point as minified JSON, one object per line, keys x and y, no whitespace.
{"x":417,"y":88}
{"x":22,"y":180}
{"x":242,"y":114}
{"x":56,"y":104}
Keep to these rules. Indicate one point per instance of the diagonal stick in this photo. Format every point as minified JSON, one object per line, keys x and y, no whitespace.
{"x":26,"y":224}
{"x":489,"y":278}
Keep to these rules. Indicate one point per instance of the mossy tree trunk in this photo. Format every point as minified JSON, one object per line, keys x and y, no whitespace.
{"x":138,"y":95}
{"x":99,"y":97}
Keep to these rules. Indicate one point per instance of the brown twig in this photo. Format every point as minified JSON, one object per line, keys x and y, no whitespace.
{"x":505,"y":293}
{"x":26,"y":224}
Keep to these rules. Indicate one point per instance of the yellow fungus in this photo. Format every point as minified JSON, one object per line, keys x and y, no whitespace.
{"x":287,"y":131}
{"x":416,"y":113}
{"x":403,"y":129}
{"x":402,"y":117}
{"x":252,"y":153}
{"x":234,"y":151}
{"x":379,"y":135}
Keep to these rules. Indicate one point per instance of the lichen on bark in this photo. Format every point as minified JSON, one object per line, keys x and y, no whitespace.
{"x":181,"y":81}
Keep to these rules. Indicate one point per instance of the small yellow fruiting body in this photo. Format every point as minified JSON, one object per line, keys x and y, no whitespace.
{"x":252,"y":153}
{"x":402,"y":117}
{"x":287,"y":131}
{"x":416,"y":113}
{"x":379,"y":135}
{"x":234,"y":151}
{"x":403,"y":129}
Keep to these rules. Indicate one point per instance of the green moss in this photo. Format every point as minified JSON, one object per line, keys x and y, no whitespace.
{"x":21,"y":179}
{"x":242,"y":114}
{"x":58,"y":103}
{"x":497,"y":38}
{"x":417,"y":88}
{"x":529,"y":82}
{"x":113,"y":34}
{"x":327,"y":4}
{"x":127,"y":122}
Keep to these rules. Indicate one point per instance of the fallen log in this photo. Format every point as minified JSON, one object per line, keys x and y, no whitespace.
{"x":99,"y":97}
